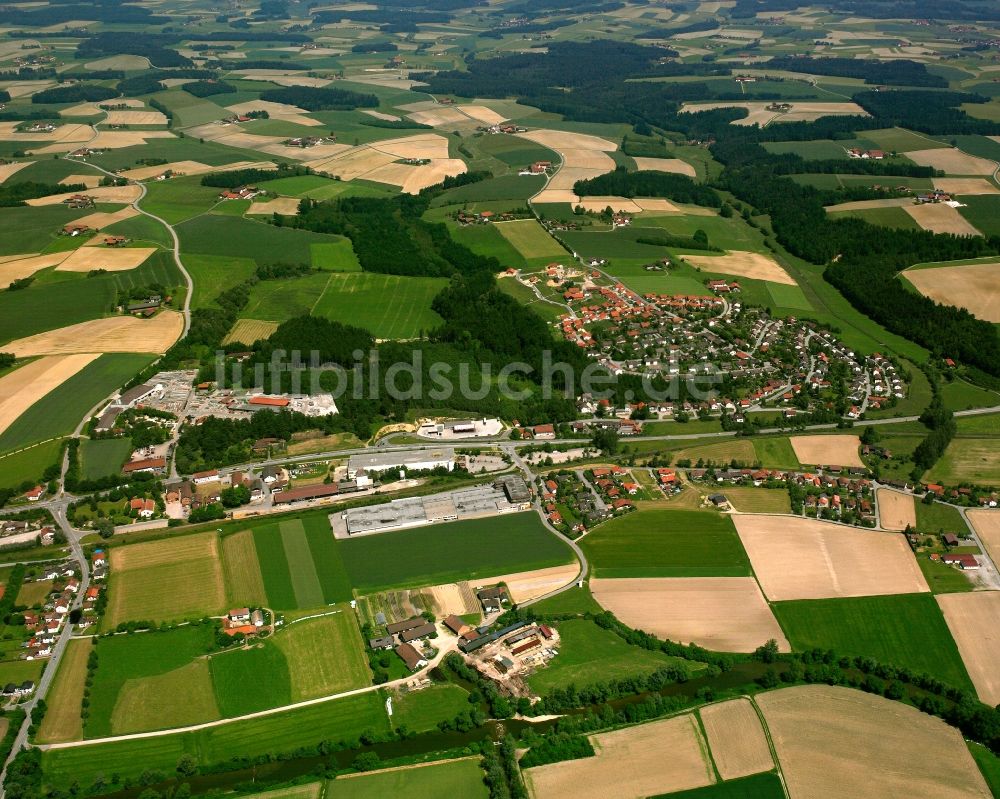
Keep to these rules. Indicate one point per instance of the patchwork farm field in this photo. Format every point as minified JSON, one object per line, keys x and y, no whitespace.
{"x":667,"y":543}
{"x":906,"y":630}
{"x":531,"y":239}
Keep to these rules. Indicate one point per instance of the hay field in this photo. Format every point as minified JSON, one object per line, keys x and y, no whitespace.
{"x":631,"y":763}
{"x":62,"y":720}
{"x":986,"y":523}
{"x":840,"y":450}
{"x":759,"y":115}
{"x":442,"y":116}
{"x":173,"y":578}
{"x":525,"y":586}
{"x":966,"y":186}
{"x":835,"y":742}
{"x":111,"y":334}
{"x":941,"y":218}
{"x":736,"y":738}
{"x":530,"y":239}
{"x":192,"y":168}
{"x":481,"y":113}
{"x":896,"y":510}
{"x":104,"y":194}
{"x":122,"y":259}
{"x":286,"y":206}
{"x":135,"y":118}
{"x":724,"y":614}
{"x":103,"y":219}
{"x":952,"y":161}
{"x":6,"y":170}
{"x":426,"y":145}
{"x":63,"y":133}
{"x":107,"y":140}
{"x":598,"y":203}
{"x":90,"y":181}
{"x":14,"y":267}
{"x":352,"y":163}
{"x":975,"y":287}
{"x":282,"y":111}
{"x":324,"y":655}
{"x":674,"y":165}
{"x":23,"y":387}
{"x":241,"y":568}
{"x":751,"y":265}
{"x":865,"y":205}
{"x":247,"y":331}
{"x":797,"y":558}
{"x":974,"y":621}
{"x":175,"y":699}
{"x":380,"y":115}
{"x":411,"y":178}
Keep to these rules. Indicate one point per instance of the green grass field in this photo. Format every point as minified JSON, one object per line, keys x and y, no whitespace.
{"x":531,"y":239}
{"x":388,"y":306}
{"x":442,"y":553}
{"x":342,"y":719}
{"x":667,"y":543}
{"x":487,"y":241}
{"x":906,"y":630}
{"x":460,"y":778}
{"x":29,"y":229}
{"x":60,"y":411}
{"x":281,"y":300}
{"x":959,"y":395}
{"x":422,"y":710}
{"x":941,"y":578}
{"x":989,"y":765}
{"x":505,"y":187}
{"x":103,"y":457}
{"x":305,"y":582}
{"x":788,"y":297}
{"x":748,"y":499}
{"x":938,"y":516}
{"x":180,"y":198}
{"x":335,"y":256}
{"x":775,"y":453}
{"x":891,"y":217}
{"x":757,"y":786}
{"x":28,"y":465}
{"x":972,"y":460}
{"x":264,"y":667}
{"x":590,"y":654}
{"x":983,"y":213}
{"x":124,"y":658}
{"x":233,"y":236}
{"x":214,"y":274}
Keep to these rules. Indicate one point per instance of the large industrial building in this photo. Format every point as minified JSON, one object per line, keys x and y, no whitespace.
{"x":421,"y":460}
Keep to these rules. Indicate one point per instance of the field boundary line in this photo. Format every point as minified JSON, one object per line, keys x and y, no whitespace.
{"x":770,"y":744}
{"x":313,"y":616}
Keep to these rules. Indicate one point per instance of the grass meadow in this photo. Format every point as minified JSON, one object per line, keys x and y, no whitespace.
{"x":938,"y":516}
{"x":775,"y":453}
{"x":60,"y":411}
{"x":214,"y":274}
{"x":28,"y":465}
{"x":667,"y":543}
{"x":342,"y":719}
{"x":421,"y":710}
{"x":906,"y":630}
{"x":966,"y":460}
{"x":589,"y":654}
{"x":233,"y":236}
{"x":766,"y":785}
{"x":442,"y":553}
{"x":102,"y":457}
{"x":530,"y":239}
{"x":246,"y":681}
{"x":62,"y":720}
{"x":748,"y":499}
{"x":325,"y":655}
{"x":449,"y":778}
{"x":388,"y":306}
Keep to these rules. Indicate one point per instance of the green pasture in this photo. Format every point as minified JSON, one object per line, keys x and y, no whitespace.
{"x":475,"y":548}
{"x":667,"y":543}
{"x":906,"y":630}
{"x":62,"y":409}
{"x":103,"y":457}
{"x":388,"y":306}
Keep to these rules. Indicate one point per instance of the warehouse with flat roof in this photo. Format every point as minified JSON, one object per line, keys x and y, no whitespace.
{"x":418,"y":460}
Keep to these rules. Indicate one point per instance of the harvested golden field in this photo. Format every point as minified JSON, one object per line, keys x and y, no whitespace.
{"x":286,"y":113}
{"x":583,"y":157}
{"x":751,"y":265}
{"x":724,"y":614}
{"x":560,"y":140}
{"x":525,"y":586}
{"x":839,"y":450}
{"x":631,"y":763}
{"x":151,"y":703}
{"x":962,"y":186}
{"x":62,"y":720}
{"x":241,"y":568}
{"x":427,"y":145}
{"x":6,"y":170}
{"x":247,"y":331}
{"x":442,"y":116}
{"x":286,"y":206}
{"x":864,"y":205}
{"x":451,"y":598}
{"x":380,"y":115}
{"x":352,"y":164}
{"x":411,"y":178}
{"x":798,"y":558}
{"x":986,"y":523}
{"x":799,"y":112}
{"x":835,"y":742}
{"x":736,"y":738}
{"x":15,"y":267}
{"x":896,"y":510}
{"x":135,"y":118}
{"x":952,"y":161}
{"x":975,"y":287}
{"x":974,"y":621}
{"x":739,"y":449}
{"x":90,"y":181}
{"x":941,"y":218}
{"x":23,"y":387}
{"x":104,"y":194}
{"x":120,"y":259}
{"x":179,"y":168}
{"x":63,"y":133}
{"x":480,"y":113}
{"x":111,"y":334}
{"x":103,"y":219}
{"x":597,"y":204}
{"x":107,"y":140}
{"x":674,"y":165}
{"x":170,"y":579}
